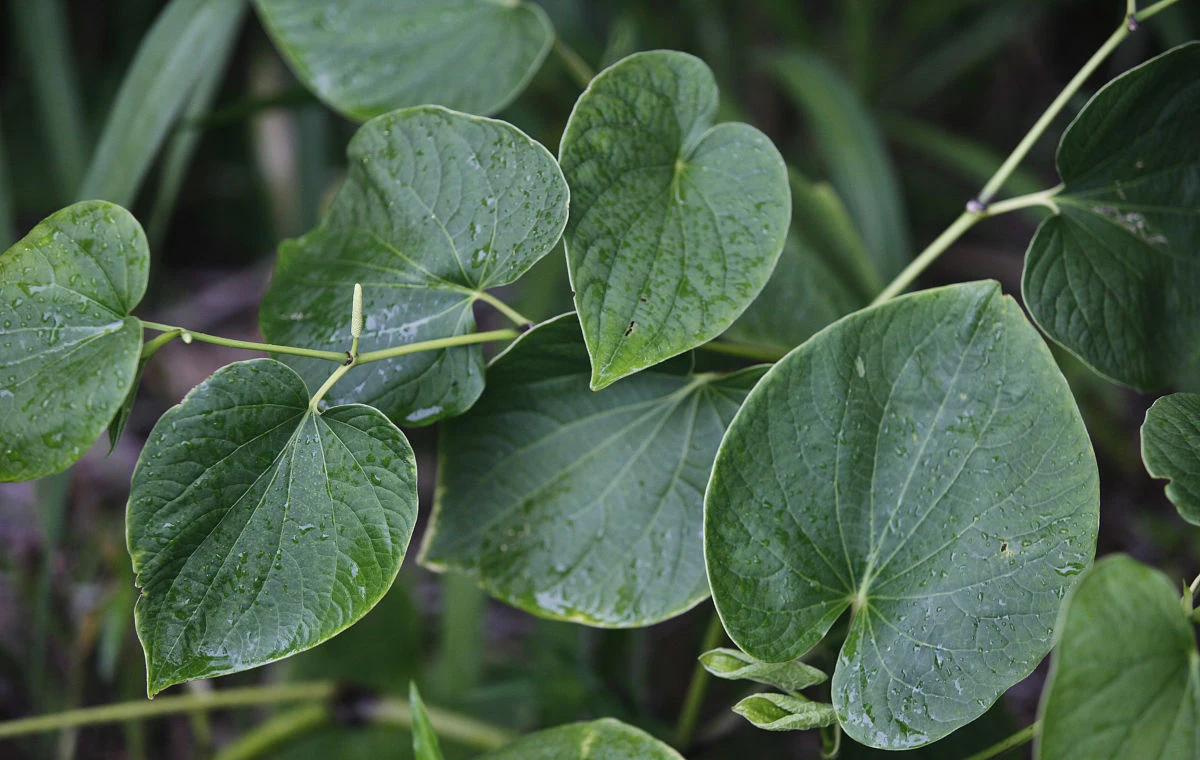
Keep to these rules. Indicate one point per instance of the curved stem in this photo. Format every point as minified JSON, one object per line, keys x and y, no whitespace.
{"x":580,"y":71}
{"x":490,"y":336}
{"x":517,"y":317}
{"x":1024,"y":736}
{"x":189,"y":335}
{"x":150,"y":347}
{"x":689,"y":716}
{"x":142,"y":709}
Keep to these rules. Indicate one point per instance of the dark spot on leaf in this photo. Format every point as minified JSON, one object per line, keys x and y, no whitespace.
{"x":629,"y":329}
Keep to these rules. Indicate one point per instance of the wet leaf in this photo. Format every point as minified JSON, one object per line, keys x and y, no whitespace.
{"x":260,"y":528}
{"x":676,"y":224}
{"x":782,"y":712}
{"x":68,"y":347}
{"x":923,"y":465}
{"x":1125,"y":679}
{"x":1113,"y":275}
{"x":437,"y":207}
{"x":365,"y":57}
{"x":578,"y":505}
{"x":1171,"y":450}
{"x":733,"y":665}
{"x":605,"y":739}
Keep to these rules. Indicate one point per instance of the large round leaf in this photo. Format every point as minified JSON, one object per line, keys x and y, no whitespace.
{"x":675,"y":224}
{"x":259,"y":527}
{"x":605,"y":739}
{"x":365,"y":57}
{"x":437,"y":207}
{"x":1171,"y":449}
{"x":1125,"y":681}
{"x":578,"y":505}
{"x":68,"y":347}
{"x":921,"y":463}
{"x":1114,"y":275}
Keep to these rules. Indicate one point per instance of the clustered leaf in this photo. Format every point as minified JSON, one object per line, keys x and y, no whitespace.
{"x":365,"y":57}
{"x":259,"y":527}
{"x":437,"y":206}
{"x":734,"y":665}
{"x":784,"y":712}
{"x":1125,"y":677}
{"x":922,"y":464}
{"x":1113,"y":275}
{"x":676,"y":224}
{"x":1171,"y":450}
{"x":577,"y":505}
{"x":68,"y":345}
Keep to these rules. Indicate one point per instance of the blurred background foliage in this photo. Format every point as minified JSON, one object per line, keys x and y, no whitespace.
{"x":903,"y":108}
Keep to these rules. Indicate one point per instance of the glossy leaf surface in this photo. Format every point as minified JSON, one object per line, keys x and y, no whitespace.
{"x":365,"y":57}
{"x":68,"y":347}
{"x":922,"y":464}
{"x":605,"y":739}
{"x":259,"y":528}
{"x":579,"y":505}
{"x":676,"y":224}
{"x":734,"y":665}
{"x":1125,"y":680}
{"x":1113,"y":276}
{"x":782,"y":712}
{"x":1171,"y":450}
{"x":437,"y":206}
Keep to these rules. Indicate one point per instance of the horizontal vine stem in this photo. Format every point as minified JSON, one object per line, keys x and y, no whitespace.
{"x":1024,"y":736}
{"x":491,"y":336}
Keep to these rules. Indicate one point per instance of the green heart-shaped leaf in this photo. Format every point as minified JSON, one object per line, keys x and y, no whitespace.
{"x":260,"y":528}
{"x":1125,"y":679}
{"x":783,"y":712}
{"x":605,"y":739}
{"x":823,"y":274}
{"x":437,"y":207}
{"x":578,"y":505}
{"x":68,"y":347}
{"x":734,"y":665}
{"x":921,"y":463}
{"x":365,"y":57}
{"x":1171,"y":450}
{"x":1113,"y":276}
{"x":675,"y":224}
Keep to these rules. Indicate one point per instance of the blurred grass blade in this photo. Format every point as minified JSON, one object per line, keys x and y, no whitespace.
{"x":186,"y":41}
{"x":8,"y":212}
{"x":967,"y":158}
{"x":958,"y":53}
{"x":425,"y":741}
{"x":851,"y":148}
{"x":183,"y":143}
{"x":858,"y":29}
{"x":41,"y":33}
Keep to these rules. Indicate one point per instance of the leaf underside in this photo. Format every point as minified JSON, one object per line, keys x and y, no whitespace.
{"x":578,"y":505}
{"x":259,"y":528}
{"x":675,"y":225}
{"x":1113,"y":276}
{"x":437,"y":206}
{"x":366,"y":57}
{"x":68,"y":347}
{"x":923,"y":464}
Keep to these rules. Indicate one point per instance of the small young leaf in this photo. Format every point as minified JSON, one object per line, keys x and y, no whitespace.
{"x":365,"y":57}
{"x":675,"y":224}
{"x":437,"y":206}
{"x":260,"y":528}
{"x":1113,"y":276}
{"x":1171,"y":450}
{"x":1125,"y":678}
{"x":425,"y":741}
{"x":605,"y":739}
{"x":577,"y":505}
{"x":68,"y":347}
{"x":782,"y":712}
{"x":921,"y":463}
{"x":735,"y":665}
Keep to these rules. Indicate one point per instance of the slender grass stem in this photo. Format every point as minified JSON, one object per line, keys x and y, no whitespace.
{"x":693,"y":701}
{"x":1022,"y":737}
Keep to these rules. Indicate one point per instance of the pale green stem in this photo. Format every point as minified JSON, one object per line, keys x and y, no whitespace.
{"x":490,"y":336}
{"x":150,"y":348}
{"x":1024,"y":736}
{"x":331,"y":381}
{"x":580,"y":71}
{"x":964,"y":222}
{"x":689,"y":716}
{"x":517,"y":317}
{"x":1130,"y":7}
{"x":277,"y":732}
